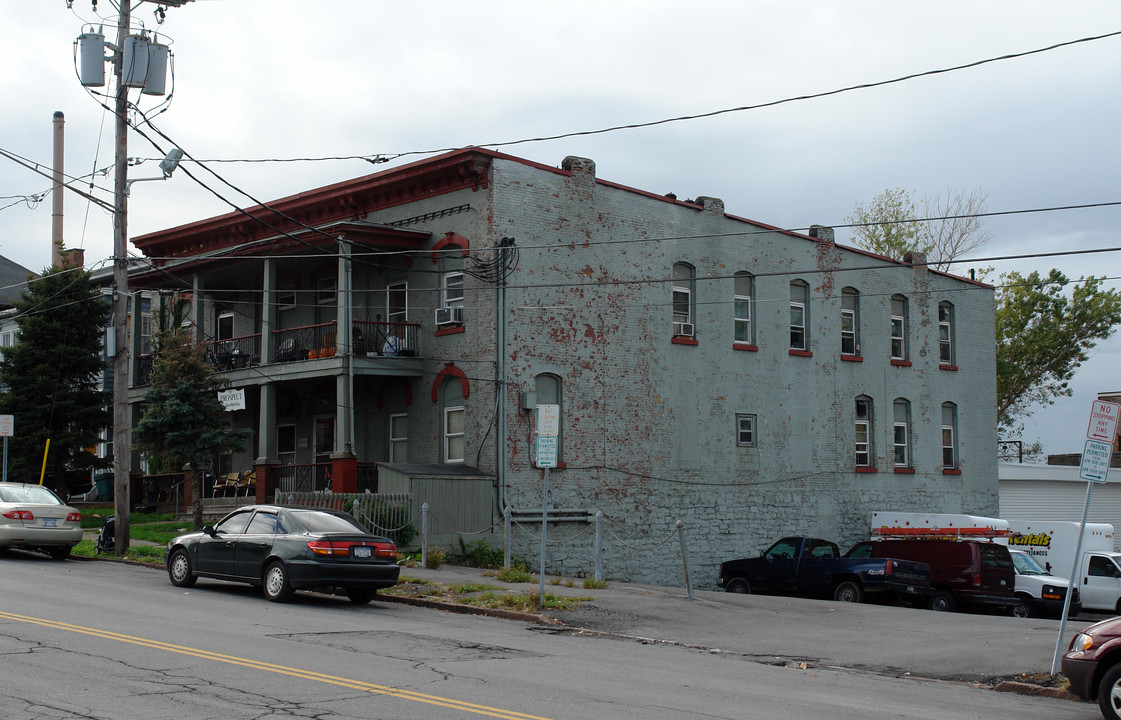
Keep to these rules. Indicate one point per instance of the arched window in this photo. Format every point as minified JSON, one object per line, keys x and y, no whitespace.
{"x":863,"y":429}
{"x":901,"y":432}
{"x":684,"y":284}
{"x":898,"y":327}
{"x":850,"y":321}
{"x":949,"y":436}
{"x":550,"y":392}
{"x":744,"y":292}
{"x":799,"y":315}
{"x":945,"y":333}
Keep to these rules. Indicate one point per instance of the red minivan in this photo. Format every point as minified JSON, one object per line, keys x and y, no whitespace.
{"x":963,"y":573}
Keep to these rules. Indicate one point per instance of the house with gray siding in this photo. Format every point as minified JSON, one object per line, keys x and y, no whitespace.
{"x":743,"y":379}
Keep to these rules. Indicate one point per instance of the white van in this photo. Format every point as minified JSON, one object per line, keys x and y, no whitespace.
{"x":1052,"y":545}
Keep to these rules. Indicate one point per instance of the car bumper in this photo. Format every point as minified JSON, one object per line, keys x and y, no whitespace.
{"x":1081,"y":675}
{"x":1055,"y":607}
{"x":11,"y":536}
{"x":304,"y":574}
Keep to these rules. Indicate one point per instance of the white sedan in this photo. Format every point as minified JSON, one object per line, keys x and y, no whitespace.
{"x":32,"y":517}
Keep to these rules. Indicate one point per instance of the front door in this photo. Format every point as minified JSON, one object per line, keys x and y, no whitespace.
{"x":324,"y":447}
{"x":216,"y":552}
{"x":254,"y":546}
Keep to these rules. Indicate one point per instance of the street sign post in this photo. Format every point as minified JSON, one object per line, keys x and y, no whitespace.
{"x":1096,"y":454}
{"x":548,"y":432}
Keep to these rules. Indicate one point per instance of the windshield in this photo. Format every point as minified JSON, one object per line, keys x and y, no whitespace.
{"x":1027,"y":565}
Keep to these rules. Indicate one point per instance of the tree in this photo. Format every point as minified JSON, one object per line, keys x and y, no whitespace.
{"x":1043,"y":336}
{"x":51,"y":377}
{"x":183,"y":422}
{"x":944,"y":228}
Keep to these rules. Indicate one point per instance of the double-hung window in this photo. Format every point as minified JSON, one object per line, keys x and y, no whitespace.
{"x":898,"y":327}
{"x":901,"y":433}
{"x":863,"y":432}
{"x":399,"y":437}
{"x":945,"y":333}
{"x":799,"y":316}
{"x":744,"y":332}
{"x":451,"y":289}
{"x":683,"y":285}
{"x":949,"y":436}
{"x":850,"y":322}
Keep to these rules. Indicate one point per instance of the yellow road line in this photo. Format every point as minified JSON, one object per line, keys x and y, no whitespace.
{"x":279,"y":669}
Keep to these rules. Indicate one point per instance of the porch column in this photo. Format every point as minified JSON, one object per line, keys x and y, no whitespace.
{"x":344,"y":386}
{"x":268,"y":459}
{"x":196,"y":308}
{"x":344,"y":464}
{"x":268,"y":314}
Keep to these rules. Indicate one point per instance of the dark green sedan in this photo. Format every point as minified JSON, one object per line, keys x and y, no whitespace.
{"x":283,"y":549}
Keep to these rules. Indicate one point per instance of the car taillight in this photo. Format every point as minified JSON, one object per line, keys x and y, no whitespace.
{"x":19,"y":515}
{"x":887,"y":566}
{"x":977,"y":580}
{"x":342,"y":548}
{"x":74,"y":517}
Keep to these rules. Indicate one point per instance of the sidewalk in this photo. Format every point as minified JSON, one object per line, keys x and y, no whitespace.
{"x":794,"y":631}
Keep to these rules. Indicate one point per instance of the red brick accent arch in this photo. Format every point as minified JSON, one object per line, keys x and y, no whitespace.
{"x":449,"y":371}
{"x":450,"y":240}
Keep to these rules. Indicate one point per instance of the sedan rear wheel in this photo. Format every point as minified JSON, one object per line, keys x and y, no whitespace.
{"x":361,"y":596}
{"x":179,"y":569}
{"x":277,"y":587}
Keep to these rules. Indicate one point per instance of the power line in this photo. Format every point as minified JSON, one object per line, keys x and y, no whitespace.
{"x":384,"y":157}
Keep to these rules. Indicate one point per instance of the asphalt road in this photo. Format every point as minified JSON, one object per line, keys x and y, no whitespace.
{"x":108,"y":640}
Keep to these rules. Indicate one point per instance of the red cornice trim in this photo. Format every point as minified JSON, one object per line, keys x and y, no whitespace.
{"x":801,"y":353}
{"x":450,"y":331}
{"x":349,"y":200}
{"x":904,"y":471}
{"x":745,"y":348}
{"x":852,"y":358}
{"x":901,"y":363}
{"x":867,"y":469}
{"x":684,"y":341}
{"x":952,"y":368}
{"x":950,"y":471}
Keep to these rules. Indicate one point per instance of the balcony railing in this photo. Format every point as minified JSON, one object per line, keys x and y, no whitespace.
{"x":305,"y":343}
{"x":144,"y":369}
{"x":386,"y":339}
{"x":234,"y":353}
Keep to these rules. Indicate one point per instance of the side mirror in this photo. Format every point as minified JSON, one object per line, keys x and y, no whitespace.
{"x":209,"y":530}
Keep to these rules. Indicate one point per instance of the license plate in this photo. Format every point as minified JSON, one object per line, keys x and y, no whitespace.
{"x":912,"y":589}
{"x":50,"y":522}
{"x":361,"y":551}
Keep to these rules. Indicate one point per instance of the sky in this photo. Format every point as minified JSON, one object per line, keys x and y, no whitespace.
{"x":282,"y":80}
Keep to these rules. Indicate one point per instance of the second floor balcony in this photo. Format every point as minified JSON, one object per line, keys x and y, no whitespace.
{"x":368,"y":339}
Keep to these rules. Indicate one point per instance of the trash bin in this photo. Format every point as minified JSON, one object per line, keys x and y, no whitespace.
{"x":104,"y":484}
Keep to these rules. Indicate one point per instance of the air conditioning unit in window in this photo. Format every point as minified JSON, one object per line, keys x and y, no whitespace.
{"x":683,"y":328}
{"x":449,"y":316}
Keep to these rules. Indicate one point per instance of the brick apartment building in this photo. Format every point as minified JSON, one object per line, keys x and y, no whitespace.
{"x":747,"y":380}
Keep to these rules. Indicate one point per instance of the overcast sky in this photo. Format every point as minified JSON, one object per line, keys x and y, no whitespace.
{"x":277,"y":79}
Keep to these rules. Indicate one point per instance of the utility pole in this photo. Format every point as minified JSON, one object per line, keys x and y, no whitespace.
{"x":122,"y":447}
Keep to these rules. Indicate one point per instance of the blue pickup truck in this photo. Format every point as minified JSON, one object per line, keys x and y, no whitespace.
{"x":814,"y":567}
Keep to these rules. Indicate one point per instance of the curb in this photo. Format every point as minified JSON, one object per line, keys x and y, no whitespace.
{"x":468,"y":609}
{"x":1011,"y":686}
